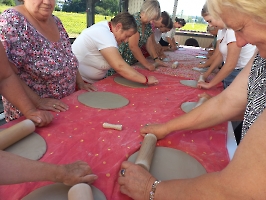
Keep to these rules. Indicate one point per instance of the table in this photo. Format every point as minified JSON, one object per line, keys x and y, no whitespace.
{"x":77,"y":134}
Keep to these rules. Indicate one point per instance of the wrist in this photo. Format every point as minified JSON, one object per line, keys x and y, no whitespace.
{"x":147,"y":80}
{"x":153,"y":189}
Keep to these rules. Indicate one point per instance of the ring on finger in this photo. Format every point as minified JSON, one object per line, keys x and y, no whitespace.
{"x":122,"y":172}
{"x":54,"y":105}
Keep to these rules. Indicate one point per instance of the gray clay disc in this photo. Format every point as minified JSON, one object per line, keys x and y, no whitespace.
{"x":32,"y":147}
{"x":190,"y":83}
{"x":169,"y":163}
{"x":122,"y":81}
{"x":188,"y":106}
{"x":59,"y":191}
{"x":103,"y":100}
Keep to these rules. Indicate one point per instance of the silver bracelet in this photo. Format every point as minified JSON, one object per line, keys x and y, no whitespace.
{"x":153,"y":189}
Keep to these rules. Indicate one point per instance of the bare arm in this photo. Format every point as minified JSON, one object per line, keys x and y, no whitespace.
{"x":15,"y":169}
{"x":133,"y":43}
{"x":11,"y":89}
{"x":212,"y":58}
{"x":228,"y":104}
{"x":233,"y":52}
{"x":113,"y":57}
{"x":241,"y":179}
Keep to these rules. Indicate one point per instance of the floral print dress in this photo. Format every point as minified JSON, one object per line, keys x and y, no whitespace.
{"x":124,"y":47}
{"x":48,"y":68}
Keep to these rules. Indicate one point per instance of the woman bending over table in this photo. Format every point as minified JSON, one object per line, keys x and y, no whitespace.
{"x":97,"y":51}
{"x":39,"y":51}
{"x":131,"y":50}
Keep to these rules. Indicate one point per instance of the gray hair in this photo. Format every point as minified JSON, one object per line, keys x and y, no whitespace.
{"x":151,"y":8}
{"x":127,"y":20}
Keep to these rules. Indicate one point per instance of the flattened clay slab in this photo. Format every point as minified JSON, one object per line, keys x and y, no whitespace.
{"x":204,"y":57}
{"x":188,"y":106}
{"x":59,"y":191}
{"x":123,"y":81}
{"x":32,"y":147}
{"x":204,"y":69}
{"x":103,"y":100}
{"x":190,"y":83}
{"x":171,"y":163}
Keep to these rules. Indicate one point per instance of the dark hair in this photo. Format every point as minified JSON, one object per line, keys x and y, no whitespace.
{"x":170,"y":25}
{"x":165,"y":18}
{"x":127,"y":20}
{"x":180,"y":21}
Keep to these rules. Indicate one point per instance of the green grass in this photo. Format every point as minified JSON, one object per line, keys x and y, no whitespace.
{"x":74,"y":23}
{"x":195,"y":27}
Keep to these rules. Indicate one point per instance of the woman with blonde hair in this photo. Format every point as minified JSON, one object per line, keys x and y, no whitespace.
{"x":131,"y":50}
{"x":243,"y":177}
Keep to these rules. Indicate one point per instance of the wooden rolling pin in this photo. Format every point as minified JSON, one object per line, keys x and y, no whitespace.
{"x":113,"y":126}
{"x":201,"y":101}
{"x":146,"y":151}
{"x":15,"y":133}
{"x":81,"y":191}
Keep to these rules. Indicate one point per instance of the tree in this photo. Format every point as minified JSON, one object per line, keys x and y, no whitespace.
{"x":8,"y":2}
{"x":75,"y":6}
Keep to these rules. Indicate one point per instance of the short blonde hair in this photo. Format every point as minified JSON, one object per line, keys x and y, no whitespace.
{"x":255,"y":8}
{"x":151,"y":9}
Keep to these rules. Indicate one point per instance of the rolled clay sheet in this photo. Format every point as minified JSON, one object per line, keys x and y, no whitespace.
{"x":80,"y":191}
{"x":146,"y":151}
{"x":201,"y":101}
{"x":15,"y":133}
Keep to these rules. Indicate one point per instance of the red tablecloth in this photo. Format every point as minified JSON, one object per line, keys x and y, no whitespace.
{"x":77,"y":134}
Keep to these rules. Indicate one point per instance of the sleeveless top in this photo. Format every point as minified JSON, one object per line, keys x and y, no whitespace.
{"x":48,"y":68}
{"x":256,"y":98}
{"x":124,"y":47}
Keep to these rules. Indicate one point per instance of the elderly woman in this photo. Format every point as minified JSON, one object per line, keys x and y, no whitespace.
{"x":39,"y":50}
{"x":235,"y":58}
{"x":243,"y":177}
{"x":131,"y":51}
{"x":97,"y":51}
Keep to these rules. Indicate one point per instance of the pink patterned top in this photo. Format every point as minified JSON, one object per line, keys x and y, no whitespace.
{"x":48,"y":68}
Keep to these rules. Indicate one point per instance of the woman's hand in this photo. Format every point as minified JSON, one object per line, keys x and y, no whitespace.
{"x":159,"y":130}
{"x":136,"y":181}
{"x":86,"y":86}
{"x":152,"y":80}
{"x":204,"y":85}
{"x":52,"y":105}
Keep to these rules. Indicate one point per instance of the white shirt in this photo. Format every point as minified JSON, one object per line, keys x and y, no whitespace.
{"x":87,"y":47}
{"x":169,"y":34}
{"x":157,"y":35}
{"x":227,"y":36}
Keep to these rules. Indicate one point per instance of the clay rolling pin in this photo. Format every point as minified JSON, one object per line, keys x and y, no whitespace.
{"x":15,"y":133}
{"x":146,"y":151}
{"x":201,"y":78}
{"x":201,"y":101}
{"x":113,"y":126}
{"x":81,"y":191}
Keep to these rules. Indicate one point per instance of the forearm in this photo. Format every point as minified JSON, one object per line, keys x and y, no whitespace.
{"x":15,"y":169}
{"x":138,"y":55}
{"x":221,"y":75}
{"x":215,"y":63}
{"x":128,"y":72}
{"x":206,"y":187}
{"x":11,"y":88}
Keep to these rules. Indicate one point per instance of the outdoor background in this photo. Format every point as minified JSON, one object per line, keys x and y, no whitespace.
{"x":72,"y":13}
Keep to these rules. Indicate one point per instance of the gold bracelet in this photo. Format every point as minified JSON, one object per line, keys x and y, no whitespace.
{"x":153,"y":189}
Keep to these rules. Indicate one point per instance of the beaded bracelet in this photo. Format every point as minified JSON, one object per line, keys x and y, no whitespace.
{"x":156,"y":58}
{"x":147,"y":80}
{"x":153,"y":189}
